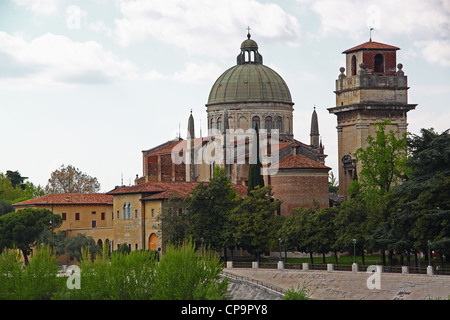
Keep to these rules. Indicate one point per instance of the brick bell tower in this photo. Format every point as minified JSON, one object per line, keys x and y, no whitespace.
{"x":373,"y":89}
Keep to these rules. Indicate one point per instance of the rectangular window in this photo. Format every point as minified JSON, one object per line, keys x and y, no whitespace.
{"x":93,"y":212}
{"x":153,"y":213}
{"x":103,"y":216}
{"x":135,"y":213}
{"x":77,"y":216}
{"x":118,"y":214}
{"x":94,"y":224}
{"x":64,"y":216}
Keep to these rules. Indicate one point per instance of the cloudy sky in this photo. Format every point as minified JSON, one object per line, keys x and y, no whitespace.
{"x":92,"y":83}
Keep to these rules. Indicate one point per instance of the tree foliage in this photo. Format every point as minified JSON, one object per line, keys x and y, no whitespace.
{"x":170,"y":223}
{"x":21,"y":229}
{"x":76,"y":245}
{"x":423,"y":201}
{"x":255,"y":222}
{"x":209,"y":209}
{"x":71,"y":180}
{"x":382,"y":161}
{"x":14,"y":188}
{"x":255,"y":177}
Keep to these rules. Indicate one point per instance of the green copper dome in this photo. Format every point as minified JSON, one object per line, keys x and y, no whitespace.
{"x":249,"y":82}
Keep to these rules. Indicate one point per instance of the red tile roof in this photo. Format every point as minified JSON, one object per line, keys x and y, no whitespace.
{"x":176,"y":147}
{"x":299,"y":161}
{"x":163,"y":190}
{"x":68,"y":199}
{"x":151,"y":187}
{"x":371,"y":45}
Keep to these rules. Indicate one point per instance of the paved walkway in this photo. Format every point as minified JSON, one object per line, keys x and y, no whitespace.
{"x":343,"y":285}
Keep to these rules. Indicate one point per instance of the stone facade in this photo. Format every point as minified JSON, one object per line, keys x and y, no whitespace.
{"x":371,"y":91}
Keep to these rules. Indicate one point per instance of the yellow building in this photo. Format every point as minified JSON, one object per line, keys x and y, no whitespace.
{"x":136,"y":209}
{"x":90,"y":214}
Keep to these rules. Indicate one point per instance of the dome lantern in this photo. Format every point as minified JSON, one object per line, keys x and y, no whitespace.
{"x":249,"y":51}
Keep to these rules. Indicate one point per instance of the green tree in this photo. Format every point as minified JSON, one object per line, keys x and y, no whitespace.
{"x":209,"y":210}
{"x":382,"y":162}
{"x":351,"y":224}
{"x":422,"y":201}
{"x":324,"y":232}
{"x":13,"y":188}
{"x":5,"y":207}
{"x":255,"y":221}
{"x":255,"y":177}
{"x":7,"y":191}
{"x":16,"y":179}
{"x":170,"y":223}
{"x":21,"y":229}
{"x":383,"y":165}
{"x":74,"y":246}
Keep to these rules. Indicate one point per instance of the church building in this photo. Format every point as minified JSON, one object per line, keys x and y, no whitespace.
{"x":246,"y":96}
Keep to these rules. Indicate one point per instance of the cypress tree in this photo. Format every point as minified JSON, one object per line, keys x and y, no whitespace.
{"x":255,"y":178}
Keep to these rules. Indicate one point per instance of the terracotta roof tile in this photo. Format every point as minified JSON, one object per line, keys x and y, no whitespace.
{"x":68,"y":199}
{"x":163,"y":190}
{"x":371,"y":45}
{"x":299,"y":161}
{"x":176,"y":147}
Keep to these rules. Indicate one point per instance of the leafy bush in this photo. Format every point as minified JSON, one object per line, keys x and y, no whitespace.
{"x":37,"y":281}
{"x":299,"y":293}
{"x":184,"y":274}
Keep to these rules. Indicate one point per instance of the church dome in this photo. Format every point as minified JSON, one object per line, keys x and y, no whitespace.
{"x":249,"y":82}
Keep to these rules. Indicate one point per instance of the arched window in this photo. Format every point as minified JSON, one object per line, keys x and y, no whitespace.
{"x":124,"y":211}
{"x":219,"y":124}
{"x":268,"y":124}
{"x":379,"y":63}
{"x":212,"y":123}
{"x":255,"y":122}
{"x":354,"y":65}
{"x":129,"y":210}
{"x":279,"y":124}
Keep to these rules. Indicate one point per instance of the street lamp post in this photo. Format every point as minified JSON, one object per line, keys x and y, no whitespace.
{"x":279,"y":239}
{"x":354,"y":250}
{"x":429,"y":252}
{"x":51,"y":224}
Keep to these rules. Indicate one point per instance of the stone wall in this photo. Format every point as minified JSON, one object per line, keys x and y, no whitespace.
{"x":340,"y":285}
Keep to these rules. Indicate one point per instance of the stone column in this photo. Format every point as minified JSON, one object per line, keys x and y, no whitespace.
{"x":330,"y":267}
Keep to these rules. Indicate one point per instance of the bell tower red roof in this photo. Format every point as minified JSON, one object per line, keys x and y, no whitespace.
{"x":371,"y":45}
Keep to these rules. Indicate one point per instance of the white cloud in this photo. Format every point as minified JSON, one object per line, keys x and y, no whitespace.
{"x":100,"y":27}
{"x":415,"y":18}
{"x":435,"y":51}
{"x":194,"y":72}
{"x":52,"y":61}
{"x":44,"y":7}
{"x":204,"y":26}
